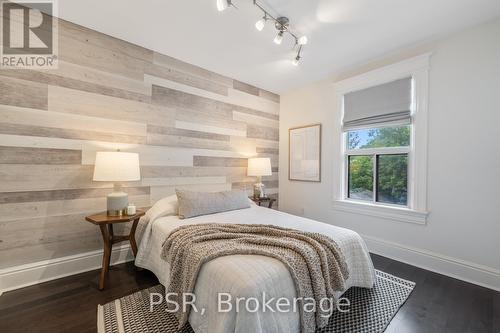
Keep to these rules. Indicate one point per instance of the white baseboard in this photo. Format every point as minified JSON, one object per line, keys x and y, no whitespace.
{"x":30,"y":274}
{"x":481,"y":275}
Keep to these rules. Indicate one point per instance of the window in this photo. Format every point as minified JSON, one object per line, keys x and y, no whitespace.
{"x":377,"y":164}
{"x":381,"y":170}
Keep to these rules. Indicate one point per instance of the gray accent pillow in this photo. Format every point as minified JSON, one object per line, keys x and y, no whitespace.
{"x":193,"y":204}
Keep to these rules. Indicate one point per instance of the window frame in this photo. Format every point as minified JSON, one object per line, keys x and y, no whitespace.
{"x":416,"y":209}
{"x":374,"y":153}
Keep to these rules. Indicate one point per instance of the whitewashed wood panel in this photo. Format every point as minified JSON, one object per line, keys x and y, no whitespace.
{"x":187,"y":132}
{"x":185,"y":79}
{"x":253,"y":102}
{"x":22,"y":93}
{"x":54,"y":132}
{"x":102,"y":41}
{"x":64,"y":194}
{"x":244,"y":146}
{"x":187,"y":142}
{"x":267,"y":143}
{"x":28,"y":210}
{"x":262,"y":132}
{"x":209,"y":128}
{"x":234,"y":97}
{"x":164,"y":172}
{"x":95,"y":105}
{"x":209,"y":119}
{"x":24,"y":155}
{"x":12,"y":257}
{"x":264,"y":150}
{"x":270,"y":96}
{"x":255,"y":120}
{"x":28,"y":232}
{"x":169,"y":62}
{"x":175,"y":181}
{"x":61,"y":143}
{"x":98,"y":57}
{"x":243,"y":178}
{"x":26,"y":116}
{"x":247,"y":88}
{"x":149,"y":154}
{"x":156,"y":155}
{"x":90,"y":75}
{"x":159,"y":192}
{"x":24,"y":177}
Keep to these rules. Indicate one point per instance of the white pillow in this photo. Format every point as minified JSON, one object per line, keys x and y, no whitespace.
{"x":163,"y":207}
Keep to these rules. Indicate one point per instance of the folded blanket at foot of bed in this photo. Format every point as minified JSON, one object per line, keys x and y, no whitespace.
{"x":315,"y":262}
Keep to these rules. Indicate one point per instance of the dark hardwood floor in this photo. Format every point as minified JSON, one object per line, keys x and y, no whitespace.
{"x":438,"y":303}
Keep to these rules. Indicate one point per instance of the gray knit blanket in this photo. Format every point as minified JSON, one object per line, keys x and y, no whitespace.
{"x":315,"y":261}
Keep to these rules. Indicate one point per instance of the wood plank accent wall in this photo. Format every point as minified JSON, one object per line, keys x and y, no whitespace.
{"x":193,"y":129}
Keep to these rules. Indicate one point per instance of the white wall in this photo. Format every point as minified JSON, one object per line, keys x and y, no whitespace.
{"x":462,"y":236}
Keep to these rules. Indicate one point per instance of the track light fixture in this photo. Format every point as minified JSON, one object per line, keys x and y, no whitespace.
{"x":279,"y":38}
{"x":296,"y":60}
{"x":302,"y":40}
{"x":282,"y":25}
{"x":261,"y":23}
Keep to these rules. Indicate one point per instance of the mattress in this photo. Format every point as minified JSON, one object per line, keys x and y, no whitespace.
{"x":249,"y":275}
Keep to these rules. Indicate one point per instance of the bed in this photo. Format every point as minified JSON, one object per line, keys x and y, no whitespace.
{"x":249,"y":275}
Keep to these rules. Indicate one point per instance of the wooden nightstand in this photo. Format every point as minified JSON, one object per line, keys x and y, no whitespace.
{"x":106,"y":223}
{"x":259,"y":201}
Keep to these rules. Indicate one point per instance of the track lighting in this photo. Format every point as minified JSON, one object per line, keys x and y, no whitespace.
{"x":282,"y":25}
{"x":223,"y":4}
{"x":279,"y":38}
{"x":261,"y":23}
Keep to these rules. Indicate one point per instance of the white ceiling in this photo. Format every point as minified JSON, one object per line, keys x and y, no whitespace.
{"x":342,"y":33}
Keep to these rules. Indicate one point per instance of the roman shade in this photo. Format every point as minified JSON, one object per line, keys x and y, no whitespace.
{"x":383,"y":105}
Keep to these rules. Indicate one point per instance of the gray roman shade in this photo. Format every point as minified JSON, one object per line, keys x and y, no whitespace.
{"x":383,"y":105}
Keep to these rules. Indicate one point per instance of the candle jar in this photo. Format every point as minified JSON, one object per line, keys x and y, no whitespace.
{"x":131,"y":209}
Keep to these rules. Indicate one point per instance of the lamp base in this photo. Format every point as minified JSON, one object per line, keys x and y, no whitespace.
{"x":259,"y":190}
{"x":117,"y":202}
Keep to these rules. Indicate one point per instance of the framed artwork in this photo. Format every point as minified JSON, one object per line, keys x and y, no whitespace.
{"x":304,"y":153}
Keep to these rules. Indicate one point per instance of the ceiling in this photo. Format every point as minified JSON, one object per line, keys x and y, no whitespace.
{"x":342,"y":33}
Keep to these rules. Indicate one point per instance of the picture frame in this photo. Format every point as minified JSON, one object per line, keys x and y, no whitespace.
{"x":304,"y":153}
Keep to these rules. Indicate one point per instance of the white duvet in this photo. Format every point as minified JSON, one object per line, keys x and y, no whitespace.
{"x":249,"y":275}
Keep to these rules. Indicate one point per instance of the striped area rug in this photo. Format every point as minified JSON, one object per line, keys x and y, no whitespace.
{"x":371,"y":310}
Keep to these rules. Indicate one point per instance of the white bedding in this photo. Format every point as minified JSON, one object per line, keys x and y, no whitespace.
{"x":249,"y":275}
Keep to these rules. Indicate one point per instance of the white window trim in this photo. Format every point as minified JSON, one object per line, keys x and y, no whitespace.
{"x":416,"y":211}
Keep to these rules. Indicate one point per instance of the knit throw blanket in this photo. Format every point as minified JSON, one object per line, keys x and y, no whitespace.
{"x":315,"y":261}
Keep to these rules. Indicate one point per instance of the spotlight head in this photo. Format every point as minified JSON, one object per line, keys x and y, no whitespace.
{"x":260,"y":24}
{"x":223,"y":4}
{"x":279,"y":38}
{"x":296,"y":61}
{"x":302,"y":40}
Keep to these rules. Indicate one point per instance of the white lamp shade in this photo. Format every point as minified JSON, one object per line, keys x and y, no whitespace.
{"x":258,"y":167}
{"x":116,"y":167}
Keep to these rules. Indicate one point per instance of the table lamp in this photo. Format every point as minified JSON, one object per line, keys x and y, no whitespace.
{"x":117,"y":167}
{"x":258,"y":167}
